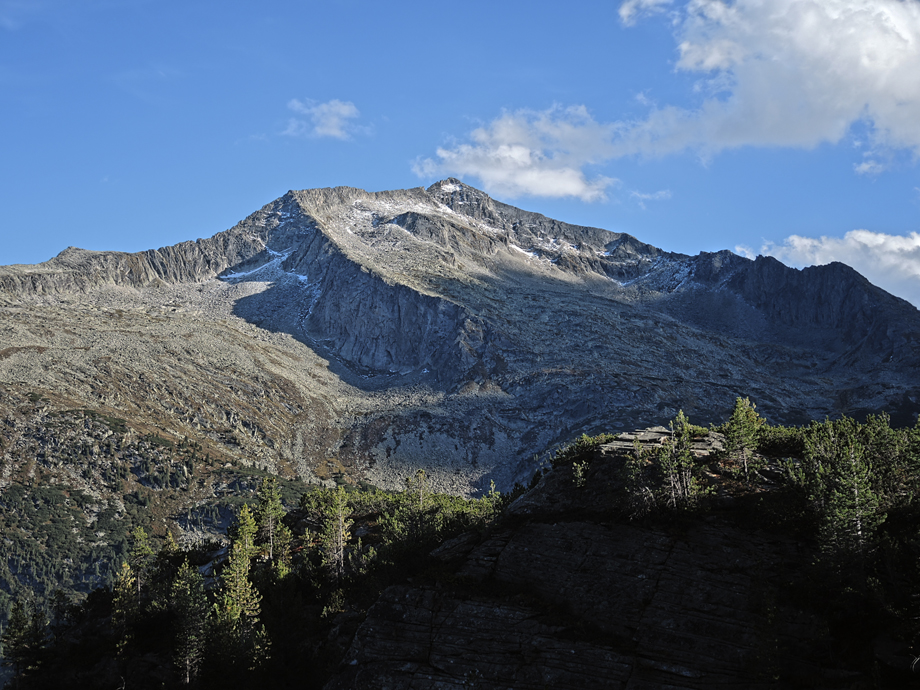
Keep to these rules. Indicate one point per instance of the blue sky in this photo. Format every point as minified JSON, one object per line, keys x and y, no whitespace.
{"x":789,"y":127}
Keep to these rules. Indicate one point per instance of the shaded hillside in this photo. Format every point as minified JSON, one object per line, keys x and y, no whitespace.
{"x":682,"y":557}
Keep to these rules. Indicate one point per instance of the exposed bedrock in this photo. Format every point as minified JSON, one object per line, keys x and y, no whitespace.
{"x":561,"y":598}
{"x":377,"y":324}
{"x":440,"y":328}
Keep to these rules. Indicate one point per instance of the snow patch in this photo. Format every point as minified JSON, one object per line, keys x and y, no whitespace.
{"x":270,"y":269}
{"x":531,"y":254}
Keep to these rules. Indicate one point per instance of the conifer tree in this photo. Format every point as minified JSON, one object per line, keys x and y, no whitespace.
{"x":240,"y":602}
{"x":838,"y":477}
{"x":243,"y":532}
{"x":676,"y":464}
{"x":237,"y":635}
{"x":191,"y":608}
{"x":141,"y":559}
{"x":634,"y":474}
{"x":269,"y":515}
{"x":887,"y":450}
{"x":24,"y":638}
{"x":741,"y":433}
{"x":124,"y":607}
{"x":334,"y":537}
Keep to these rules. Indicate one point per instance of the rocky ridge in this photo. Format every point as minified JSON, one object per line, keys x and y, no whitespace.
{"x":369,"y":334}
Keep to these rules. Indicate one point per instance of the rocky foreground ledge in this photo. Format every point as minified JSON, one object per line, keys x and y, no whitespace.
{"x":561,"y":595}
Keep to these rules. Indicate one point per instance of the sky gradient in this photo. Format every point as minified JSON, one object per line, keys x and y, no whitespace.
{"x":788,"y":127}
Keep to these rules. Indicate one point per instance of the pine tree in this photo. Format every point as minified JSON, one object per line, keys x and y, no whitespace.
{"x":243,"y":532}
{"x":163,"y":571}
{"x":190,"y":604}
{"x":24,"y":638}
{"x":141,"y":559}
{"x":237,"y":635}
{"x":634,"y":473}
{"x":124,"y":607}
{"x":335,"y":534}
{"x":741,"y":433}
{"x":676,"y":464}
{"x":240,"y":602}
{"x":888,"y":452}
{"x":838,"y":477}
{"x":269,"y":515}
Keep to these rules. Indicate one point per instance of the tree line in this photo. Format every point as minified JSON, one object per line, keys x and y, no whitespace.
{"x":224,"y":617}
{"x":275,"y":601}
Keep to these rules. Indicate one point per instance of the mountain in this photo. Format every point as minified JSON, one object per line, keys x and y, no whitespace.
{"x":342,"y":331}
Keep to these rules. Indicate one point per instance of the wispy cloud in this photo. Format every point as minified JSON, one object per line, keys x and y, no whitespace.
{"x":641,"y":197}
{"x":536,"y":153}
{"x":794,"y":73}
{"x":632,"y":10}
{"x":890,"y":261}
{"x":869,"y":167}
{"x":330,"y":119}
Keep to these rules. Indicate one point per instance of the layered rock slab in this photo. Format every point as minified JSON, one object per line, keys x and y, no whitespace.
{"x":562,"y":595}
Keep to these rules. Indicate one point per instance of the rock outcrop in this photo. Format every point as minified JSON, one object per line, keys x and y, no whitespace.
{"x":564,"y":595}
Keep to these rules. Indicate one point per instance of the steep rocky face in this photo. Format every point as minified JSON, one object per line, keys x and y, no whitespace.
{"x":564,"y":595}
{"x":375,"y":333}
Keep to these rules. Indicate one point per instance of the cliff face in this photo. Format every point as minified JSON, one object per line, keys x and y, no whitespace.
{"x":440,"y":328}
{"x":564,"y":595}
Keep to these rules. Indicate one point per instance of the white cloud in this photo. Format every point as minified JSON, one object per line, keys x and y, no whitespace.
{"x":869,"y":167}
{"x":631,"y":10}
{"x":890,"y":261}
{"x":786,"y":73}
{"x":532,"y":153}
{"x":789,"y":73}
{"x":641,"y":198}
{"x":330,"y":119}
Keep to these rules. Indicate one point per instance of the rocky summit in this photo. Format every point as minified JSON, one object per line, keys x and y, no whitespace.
{"x":366,"y":335}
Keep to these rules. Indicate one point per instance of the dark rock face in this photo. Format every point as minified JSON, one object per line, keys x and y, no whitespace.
{"x":562,"y":598}
{"x":423,"y":638}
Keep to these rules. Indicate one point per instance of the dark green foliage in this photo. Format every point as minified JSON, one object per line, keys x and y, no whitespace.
{"x":335,"y":534}
{"x":272,"y":608}
{"x":666,"y":476}
{"x":582,"y":447}
{"x":189,"y":601}
{"x":675,"y":462}
{"x":780,"y":441}
{"x":640,"y":482}
{"x":237,"y":640}
{"x":253,"y":622}
{"x":141,"y":558}
{"x":742,"y":436}
{"x":836,"y":472}
{"x":23,"y":641}
{"x":271,"y":529}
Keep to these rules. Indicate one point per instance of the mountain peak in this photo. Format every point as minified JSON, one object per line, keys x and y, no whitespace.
{"x":440,"y":327}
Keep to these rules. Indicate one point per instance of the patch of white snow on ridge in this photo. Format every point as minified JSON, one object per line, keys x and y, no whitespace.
{"x":531,"y":254}
{"x":270,"y":269}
